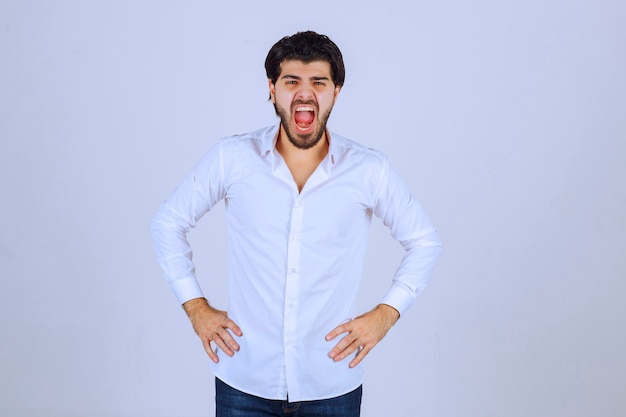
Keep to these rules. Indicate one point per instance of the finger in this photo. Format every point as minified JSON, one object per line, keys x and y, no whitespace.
{"x":222,"y":344}
{"x":363,"y":351}
{"x":228,"y":339}
{"x":233,"y":326}
{"x":209,"y":350}
{"x":339,"y":351}
{"x":337,"y":331}
{"x":349,"y":350}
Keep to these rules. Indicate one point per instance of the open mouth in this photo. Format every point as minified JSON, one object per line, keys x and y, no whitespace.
{"x":304,"y":117}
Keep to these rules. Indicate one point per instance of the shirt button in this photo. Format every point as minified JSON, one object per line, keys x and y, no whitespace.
{"x":294,"y":270}
{"x":291,"y":305}
{"x":297,"y":204}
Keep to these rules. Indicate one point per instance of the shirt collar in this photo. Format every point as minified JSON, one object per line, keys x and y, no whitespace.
{"x":268,"y":140}
{"x":332,"y":147}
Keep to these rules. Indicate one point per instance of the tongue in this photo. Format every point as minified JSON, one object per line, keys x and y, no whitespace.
{"x":304,"y":117}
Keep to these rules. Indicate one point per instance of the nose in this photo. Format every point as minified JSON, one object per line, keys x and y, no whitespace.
{"x":304,"y":93}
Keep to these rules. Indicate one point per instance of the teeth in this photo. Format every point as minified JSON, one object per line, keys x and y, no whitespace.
{"x":304,"y":108}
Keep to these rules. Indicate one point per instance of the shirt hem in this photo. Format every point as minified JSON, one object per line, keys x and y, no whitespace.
{"x":292,"y":399}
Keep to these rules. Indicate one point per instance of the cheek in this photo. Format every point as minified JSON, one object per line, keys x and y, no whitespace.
{"x":326,"y":103}
{"x":284,"y":100}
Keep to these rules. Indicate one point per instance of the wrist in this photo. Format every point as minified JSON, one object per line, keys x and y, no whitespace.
{"x":194,"y":305}
{"x":390,"y":313}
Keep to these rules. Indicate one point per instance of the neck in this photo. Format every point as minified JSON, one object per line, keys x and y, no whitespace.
{"x":289,"y":151}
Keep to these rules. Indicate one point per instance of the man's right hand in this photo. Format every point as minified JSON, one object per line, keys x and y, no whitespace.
{"x":211,"y":325}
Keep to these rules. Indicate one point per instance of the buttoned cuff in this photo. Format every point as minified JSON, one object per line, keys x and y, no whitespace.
{"x":399,"y":297}
{"x":186,"y":289}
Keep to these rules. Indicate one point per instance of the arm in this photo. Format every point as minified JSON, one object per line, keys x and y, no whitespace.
{"x":200,"y":191}
{"x":178,"y":214}
{"x":402,"y":214}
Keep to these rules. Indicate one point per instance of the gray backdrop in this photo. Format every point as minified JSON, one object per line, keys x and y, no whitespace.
{"x":506,"y":118}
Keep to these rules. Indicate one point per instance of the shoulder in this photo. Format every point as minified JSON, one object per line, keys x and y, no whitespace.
{"x":258,"y":140}
{"x":230,"y":151}
{"x":240,"y":152}
{"x":355,"y":151}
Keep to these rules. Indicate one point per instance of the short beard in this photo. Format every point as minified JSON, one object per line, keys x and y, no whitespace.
{"x":309,"y":140}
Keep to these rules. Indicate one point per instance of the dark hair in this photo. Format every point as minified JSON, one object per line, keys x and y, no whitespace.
{"x":306,"y":47}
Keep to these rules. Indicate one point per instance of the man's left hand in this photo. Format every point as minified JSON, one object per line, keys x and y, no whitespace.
{"x":364,"y":332}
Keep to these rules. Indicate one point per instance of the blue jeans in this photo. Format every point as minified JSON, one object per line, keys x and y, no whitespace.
{"x":230,"y":402}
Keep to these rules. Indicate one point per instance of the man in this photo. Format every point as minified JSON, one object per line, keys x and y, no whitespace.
{"x":299,"y":202}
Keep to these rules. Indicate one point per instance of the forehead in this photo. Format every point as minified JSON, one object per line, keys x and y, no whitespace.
{"x":305,"y":69}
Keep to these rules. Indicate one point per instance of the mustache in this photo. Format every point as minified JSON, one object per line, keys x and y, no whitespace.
{"x":296,"y":103}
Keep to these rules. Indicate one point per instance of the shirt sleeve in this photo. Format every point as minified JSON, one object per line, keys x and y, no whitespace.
{"x":400,"y":211}
{"x":178,"y":214}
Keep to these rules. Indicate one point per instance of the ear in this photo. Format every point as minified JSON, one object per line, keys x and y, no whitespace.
{"x":272,"y":88}
{"x":337,"y":90}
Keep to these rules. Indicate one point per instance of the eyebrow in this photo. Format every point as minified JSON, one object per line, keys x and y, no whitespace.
{"x":295,"y":77}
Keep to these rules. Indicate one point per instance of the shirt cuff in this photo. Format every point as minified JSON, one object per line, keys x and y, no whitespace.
{"x":186,"y":289}
{"x":399,"y":297}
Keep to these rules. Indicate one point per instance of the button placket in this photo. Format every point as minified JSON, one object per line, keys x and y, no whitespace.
{"x":292,"y":285}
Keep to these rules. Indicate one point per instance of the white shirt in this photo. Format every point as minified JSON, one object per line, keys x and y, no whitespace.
{"x":295,"y":258}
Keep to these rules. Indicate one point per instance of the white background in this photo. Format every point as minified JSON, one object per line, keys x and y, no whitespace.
{"x":507,"y":119}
